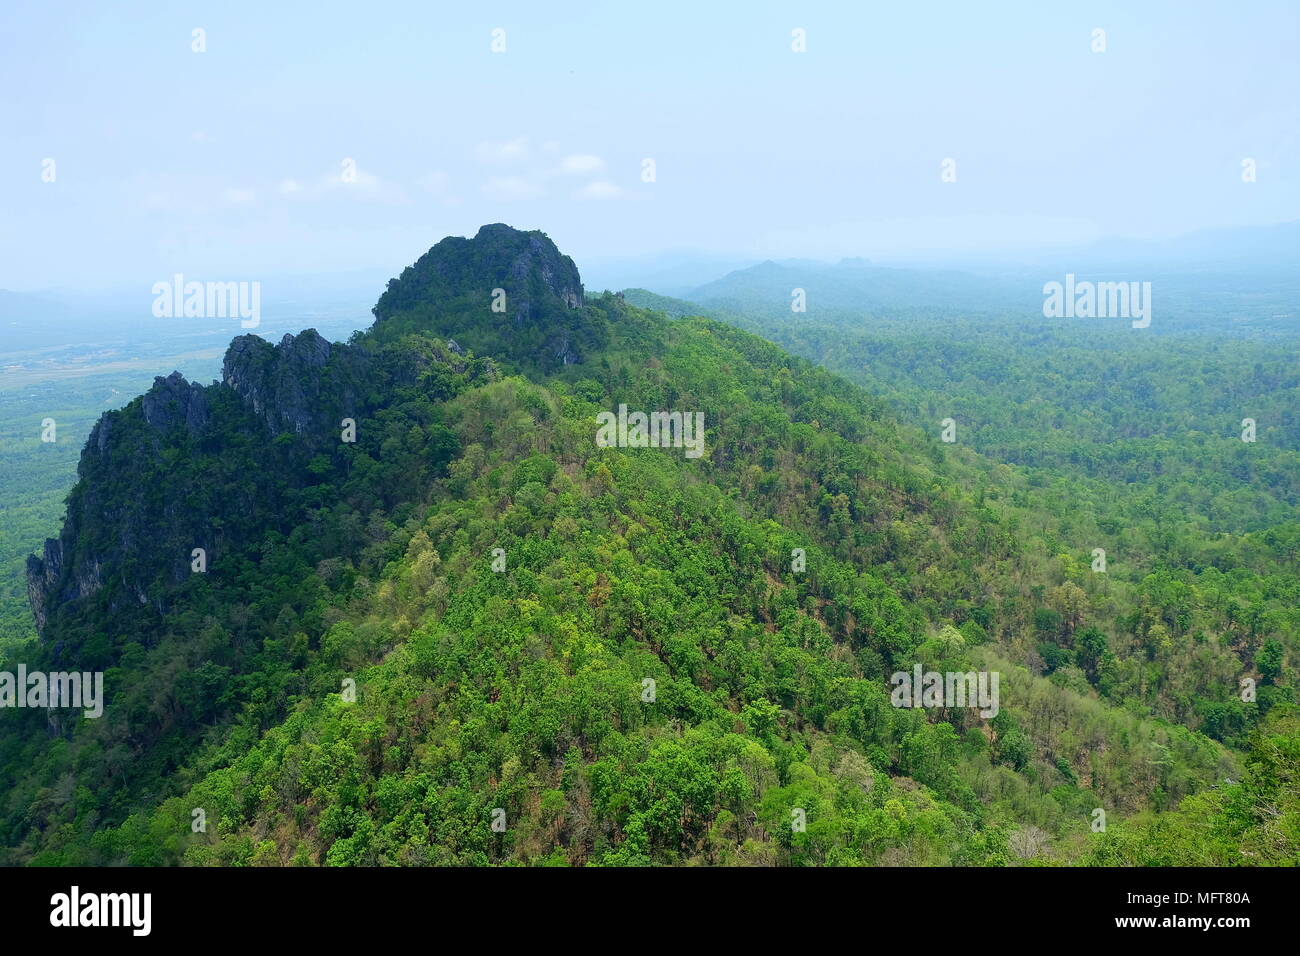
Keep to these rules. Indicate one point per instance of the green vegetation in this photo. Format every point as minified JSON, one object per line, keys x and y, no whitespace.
{"x":37,"y":475}
{"x":1123,"y":442}
{"x":651,"y":677}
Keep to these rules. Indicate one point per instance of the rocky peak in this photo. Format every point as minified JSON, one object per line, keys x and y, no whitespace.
{"x":505,"y":292}
{"x":174,"y":401}
{"x":281,"y":383}
{"x":527,"y":266}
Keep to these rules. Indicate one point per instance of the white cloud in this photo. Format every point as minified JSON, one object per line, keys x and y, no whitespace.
{"x":582,"y":163}
{"x":511,"y":188}
{"x":504,"y":153}
{"x":533,"y":168}
{"x":238,"y":197}
{"x":599,"y":189}
{"x":360,"y":184}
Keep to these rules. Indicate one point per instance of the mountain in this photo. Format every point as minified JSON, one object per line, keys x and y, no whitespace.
{"x":858,"y":286}
{"x":1243,"y":278}
{"x":1250,"y":249}
{"x":401,"y":600}
{"x":672,"y":273}
{"x":23,"y":307}
{"x":507,"y":292}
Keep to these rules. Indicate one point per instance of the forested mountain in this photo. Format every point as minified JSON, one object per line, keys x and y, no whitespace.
{"x":856,"y":284}
{"x":1230,"y":295}
{"x":476,"y":634}
{"x":1128,"y":441}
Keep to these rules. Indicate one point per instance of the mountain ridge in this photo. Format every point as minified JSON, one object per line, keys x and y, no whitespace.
{"x":522,"y":688}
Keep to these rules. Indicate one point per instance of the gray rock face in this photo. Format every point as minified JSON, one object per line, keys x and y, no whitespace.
{"x":42,"y":578}
{"x":303,"y":386}
{"x":45,"y":575}
{"x":62,"y":574}
{"x":505,"y":292}
{"x":563,"y":349}
{"x":557,"y":271}
{"x":527,"y":265}
{"x":282,"y":383}
{"x":172,"y":401}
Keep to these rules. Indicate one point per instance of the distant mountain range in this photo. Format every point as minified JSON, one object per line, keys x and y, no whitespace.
{"x":1245,"y":278}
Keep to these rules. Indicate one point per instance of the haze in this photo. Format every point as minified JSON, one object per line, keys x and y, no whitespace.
{"x":230,"y":163}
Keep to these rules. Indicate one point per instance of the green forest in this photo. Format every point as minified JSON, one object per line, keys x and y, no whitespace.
{"x":474,"y":636}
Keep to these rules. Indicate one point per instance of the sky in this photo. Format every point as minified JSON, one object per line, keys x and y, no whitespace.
{"x":322,"y":137}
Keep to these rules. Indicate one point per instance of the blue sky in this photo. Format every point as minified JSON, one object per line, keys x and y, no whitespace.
{"x":229,"y":163}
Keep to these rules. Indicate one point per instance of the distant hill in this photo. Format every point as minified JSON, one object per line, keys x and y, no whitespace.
{"x":854,"y":285}
{"x":1235,"y":281}
{"x":22,"y":306}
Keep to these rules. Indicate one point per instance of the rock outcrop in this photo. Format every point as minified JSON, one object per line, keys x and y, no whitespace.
{"x":145,"y":495}
{"x":504,"y":292}
{"x":173,"y":401}
{"x":526,"y":266}
{"x":287,"y":386}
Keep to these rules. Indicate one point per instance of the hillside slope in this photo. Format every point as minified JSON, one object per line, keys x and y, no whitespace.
{"x":476,"y":635}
